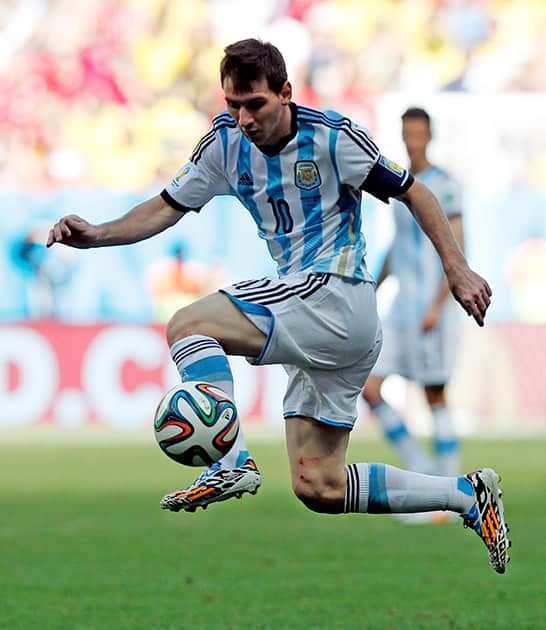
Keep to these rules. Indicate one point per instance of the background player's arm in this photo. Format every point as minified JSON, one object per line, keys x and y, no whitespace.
{"x":141,"y":222}
{"x":432,"y":316}
{"x":468,"y":288}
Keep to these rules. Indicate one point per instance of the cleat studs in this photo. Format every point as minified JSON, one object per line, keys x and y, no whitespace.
{"x":238,"y":494}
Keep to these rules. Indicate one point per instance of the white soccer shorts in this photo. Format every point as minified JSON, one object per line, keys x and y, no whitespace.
{"x":426,"y":358}
{"x":325,"y":332}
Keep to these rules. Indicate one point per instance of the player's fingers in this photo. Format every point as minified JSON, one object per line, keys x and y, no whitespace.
{"x":478,"y":317}
{"x":477,"y":312}
{"x":481,"y":304}
{"x":65,"y":228}
{"x":472,"y":310}
{"x":72,"y":220}
{"x":57,"y":233}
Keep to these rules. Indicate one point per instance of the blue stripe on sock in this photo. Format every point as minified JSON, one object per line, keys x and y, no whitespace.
{"x":378,"y":502}
{"x":241,"y":458}
{"x":397,"y":433}
{"x":446,"y":446}
{"x":209,"y":369}
{"x":464,"y":485}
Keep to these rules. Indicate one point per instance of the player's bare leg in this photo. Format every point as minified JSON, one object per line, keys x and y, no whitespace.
{"x":323,"y":483}
{"x":446,"y":442}
{"x":316,"y":453}
{"x":216,"y":316}
{"x":199,"y":336}
{"x":411,"y":453}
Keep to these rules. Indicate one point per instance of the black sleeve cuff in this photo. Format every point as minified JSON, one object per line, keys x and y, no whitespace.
{"x":386,"y":180}
{"x":174,"y":204}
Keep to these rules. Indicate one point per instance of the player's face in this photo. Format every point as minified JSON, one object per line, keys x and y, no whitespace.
{"x":262,"y":115}
{"x":416,"y":136}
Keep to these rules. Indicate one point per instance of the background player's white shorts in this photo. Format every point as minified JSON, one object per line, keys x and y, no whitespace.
{"x":426,"y":358}
{"x":325,"y":332}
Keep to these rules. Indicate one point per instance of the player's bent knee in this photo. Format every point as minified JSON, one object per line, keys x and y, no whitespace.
{"x":371,"y":399}
{"x":183,"y":325}
{"x":318,"y":499}
{"x":435,"y":394}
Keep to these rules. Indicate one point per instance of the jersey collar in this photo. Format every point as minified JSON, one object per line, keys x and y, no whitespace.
{"x":277,"y":148}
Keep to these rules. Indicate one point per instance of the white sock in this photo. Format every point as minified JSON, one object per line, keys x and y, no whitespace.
{"x":201,"y":358}
{"x":446,"y":442}
{"x":409,"y":450}
{"x":380,"y":488}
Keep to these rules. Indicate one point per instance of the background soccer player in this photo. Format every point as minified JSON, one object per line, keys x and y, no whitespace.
{"x":420,"y":329}
{"x":300,"y":173}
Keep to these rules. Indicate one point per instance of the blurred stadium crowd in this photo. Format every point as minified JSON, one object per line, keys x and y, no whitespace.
{"x":114,"y":93}
{"x":101,"y":101}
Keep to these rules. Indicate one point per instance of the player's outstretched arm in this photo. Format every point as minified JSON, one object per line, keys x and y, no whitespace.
{"x":141,"y":222}
{"x":469,"y":289}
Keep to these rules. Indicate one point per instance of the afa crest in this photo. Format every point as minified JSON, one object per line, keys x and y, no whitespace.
{"x":307,"y":176}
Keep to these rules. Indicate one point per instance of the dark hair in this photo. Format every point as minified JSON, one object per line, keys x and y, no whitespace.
{"x":251,"y":60}
{"x":416,"y":113}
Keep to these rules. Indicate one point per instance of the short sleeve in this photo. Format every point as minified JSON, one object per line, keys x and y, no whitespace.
{"x":201,"y":178}
{"x":356,"y":153}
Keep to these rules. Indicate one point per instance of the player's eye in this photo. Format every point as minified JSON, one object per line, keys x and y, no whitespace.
{"x":255,"y":105}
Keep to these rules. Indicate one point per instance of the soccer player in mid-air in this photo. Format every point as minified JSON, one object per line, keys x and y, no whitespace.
{"x":300,"y":173}
{"x":420,"y":329}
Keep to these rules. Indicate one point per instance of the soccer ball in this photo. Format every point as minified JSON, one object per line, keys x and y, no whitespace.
{"x":196,"y":423}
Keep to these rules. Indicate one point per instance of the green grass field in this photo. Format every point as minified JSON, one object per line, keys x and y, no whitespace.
{"x":84,"y":545}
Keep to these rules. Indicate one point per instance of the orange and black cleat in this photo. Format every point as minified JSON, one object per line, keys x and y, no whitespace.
{"x":486,"y":516}
{"x":213,"y":485}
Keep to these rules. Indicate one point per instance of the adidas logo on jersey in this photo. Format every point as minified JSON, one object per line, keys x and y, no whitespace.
{"x":245,"y":180}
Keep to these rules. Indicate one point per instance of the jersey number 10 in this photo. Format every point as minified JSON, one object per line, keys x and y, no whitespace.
{"x":283,"y":218}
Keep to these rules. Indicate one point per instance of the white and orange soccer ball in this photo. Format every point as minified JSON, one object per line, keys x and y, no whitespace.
{"x":196,"y":423}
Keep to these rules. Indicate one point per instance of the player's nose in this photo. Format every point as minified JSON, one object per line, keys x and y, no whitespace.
{"x":245,"y":119}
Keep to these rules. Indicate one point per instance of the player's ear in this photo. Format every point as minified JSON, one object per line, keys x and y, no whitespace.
{"x":286,"y":93}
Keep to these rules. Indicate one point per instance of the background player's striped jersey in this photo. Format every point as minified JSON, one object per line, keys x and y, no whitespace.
{"x":305,"y":199}
{"x":413,"y":259}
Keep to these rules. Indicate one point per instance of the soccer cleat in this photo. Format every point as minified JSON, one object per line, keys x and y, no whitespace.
{"x":213,"y":485}
{"x":486,"y":517}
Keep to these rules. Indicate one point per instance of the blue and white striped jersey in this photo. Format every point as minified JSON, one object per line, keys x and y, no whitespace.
{"x":413,"y":259}
{"x":305,"y":199}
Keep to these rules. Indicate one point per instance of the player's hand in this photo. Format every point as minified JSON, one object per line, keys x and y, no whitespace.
{"x":74,"y":231}
{"x":471,"y":291}
{"x":430,"y":320}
